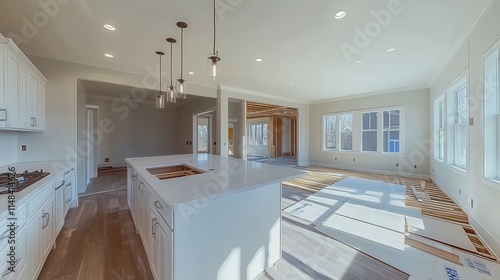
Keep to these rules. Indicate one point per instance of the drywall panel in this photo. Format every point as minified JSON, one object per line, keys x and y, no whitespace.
{"x":485,"y":198}
{"x":145,"y":131}
{"x":416,"y":127}
{"x":8,"y":147}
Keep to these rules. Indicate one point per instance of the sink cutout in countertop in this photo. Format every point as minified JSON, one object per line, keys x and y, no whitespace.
{"x":174,"y":171}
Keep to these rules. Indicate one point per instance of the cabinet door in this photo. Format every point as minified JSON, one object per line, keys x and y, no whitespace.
{"x":34,"y":239}
{"x":3,"y":106}
{"x":24,"y":120}
{"x":12,"y":91}
{"x":32,"y":100}
{"x":40,"y":119}
{"x":59,"y":205}
{"x":48,"y":227}
{"x":164,"y":237}
{"x":146,"y":217}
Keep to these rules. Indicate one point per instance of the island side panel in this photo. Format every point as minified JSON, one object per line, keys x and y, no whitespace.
{"x":231,"y":238}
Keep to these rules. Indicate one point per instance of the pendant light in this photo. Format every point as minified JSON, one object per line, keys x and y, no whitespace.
{"x":181,"y":83}
{"x":213,"y":65}
{"x":171,"y":94}
{"x":160,"y":98}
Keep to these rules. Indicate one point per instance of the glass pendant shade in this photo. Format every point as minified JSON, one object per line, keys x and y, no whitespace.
{"x":160,"y":101}
{"x":171,"y":95}
{"x":181,"y":89}
{"x":213,"y":68}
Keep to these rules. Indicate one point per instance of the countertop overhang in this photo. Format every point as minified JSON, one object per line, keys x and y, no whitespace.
{"x":223,"y":176}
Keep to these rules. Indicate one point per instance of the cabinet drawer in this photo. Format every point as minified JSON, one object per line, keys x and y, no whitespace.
{"x":165,"y":212}
{"x":36,"y":202}
{"x":19,"y":258}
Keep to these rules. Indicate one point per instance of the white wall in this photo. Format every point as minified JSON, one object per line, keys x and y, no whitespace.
{"x":145,"y":131}
{"x":8,"y":147}
{"x":416,"y":127}
{"x":287,"y":135}
{"x":486,"y":199}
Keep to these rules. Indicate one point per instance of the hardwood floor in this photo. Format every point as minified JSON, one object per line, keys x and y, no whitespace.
{"x":99,"y":241}
{"x":106,"y":182}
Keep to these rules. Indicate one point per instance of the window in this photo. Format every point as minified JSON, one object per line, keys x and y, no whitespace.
{"x":369,"y":132}
{"x":439,"y":128}
{"x":330,"y":132}
{"x":391,"y":131}
{"x":460,"y":128}
{"x":492,"y":115}
{"x":258,"y":134}
{"x":346,"y":132}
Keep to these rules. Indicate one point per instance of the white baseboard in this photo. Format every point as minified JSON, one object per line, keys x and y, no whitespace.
{"x":374,"y":171}
{"x":491,"y":241}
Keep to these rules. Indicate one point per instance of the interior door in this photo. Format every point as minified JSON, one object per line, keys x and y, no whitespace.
{"x":91,"y":148}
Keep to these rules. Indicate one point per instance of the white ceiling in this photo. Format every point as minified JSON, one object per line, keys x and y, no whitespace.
{"x":299,"y":41}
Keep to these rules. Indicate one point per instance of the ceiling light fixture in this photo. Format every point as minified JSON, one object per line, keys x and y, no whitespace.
{"x":258,"y":59}
{"x":358,"y":61}
{"x":160,"y":98}
{"x":390,"y":50}
{"x":181,"y":83}
{"x":108,"y":55}
{"x":171,"y":94}
{"x":213,"y":60}
{"x":340,"y":14}
{"x":109,"y":27}
{"x":291,"y":83}
{"x":191,"y":73}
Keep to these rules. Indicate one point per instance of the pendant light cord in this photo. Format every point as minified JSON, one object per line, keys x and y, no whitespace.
{"x":160,"y":73}
{"x":214,"y":27}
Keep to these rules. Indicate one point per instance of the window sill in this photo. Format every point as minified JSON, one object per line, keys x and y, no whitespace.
{"x":493,"y":183}
{"x":458,"y":169}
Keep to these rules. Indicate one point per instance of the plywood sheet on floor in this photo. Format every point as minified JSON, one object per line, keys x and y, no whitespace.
{"x":442,"y":231}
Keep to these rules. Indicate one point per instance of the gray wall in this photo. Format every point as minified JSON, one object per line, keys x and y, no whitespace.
{"x":416,"y":126}
{"x":8,"y":147}
{"x":185,"y":119}
{"x":472,"y":185}
{"x":145,"y":131}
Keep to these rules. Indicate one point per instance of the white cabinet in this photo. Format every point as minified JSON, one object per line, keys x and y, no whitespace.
{"x":22,"y":91}
{"x":144,"y":215}
{"x":161,"y":247}
{"x":59,"y":203}
{"x":40,"y":235}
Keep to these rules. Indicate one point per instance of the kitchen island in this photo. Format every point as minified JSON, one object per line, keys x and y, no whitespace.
{"x":207,"y":217}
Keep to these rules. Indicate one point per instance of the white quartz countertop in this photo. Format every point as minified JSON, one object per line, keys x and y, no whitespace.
{"x":224,"y":176}
{"x":55,"y":168}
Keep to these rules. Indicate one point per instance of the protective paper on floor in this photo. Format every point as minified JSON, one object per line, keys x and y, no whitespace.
{"x":440,"y":230}
{"x":314,"y":208}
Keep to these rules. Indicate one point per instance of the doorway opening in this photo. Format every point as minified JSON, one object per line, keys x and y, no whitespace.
{"x":203,"y":129}
{"x":90,"y":143}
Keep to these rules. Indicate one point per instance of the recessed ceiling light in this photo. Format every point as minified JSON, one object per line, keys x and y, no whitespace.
{"x":108,"y":55}
{"x":191,"y":73}
{"x":258,"y":59}
{"x":109,"y":27}
{"x":390,"y":50}
{"x":340,"y":14}
{"x":291,"y":83}
{"x":358,"y":61}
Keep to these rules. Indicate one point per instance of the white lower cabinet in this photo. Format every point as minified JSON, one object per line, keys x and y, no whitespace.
{"x":40,"y":236}
{"x":161,"y":247}
{"x":59,"y":203}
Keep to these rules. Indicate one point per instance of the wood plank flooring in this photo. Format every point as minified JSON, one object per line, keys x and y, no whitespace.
{"x":98,"y":242}
{"x":106,"y":182}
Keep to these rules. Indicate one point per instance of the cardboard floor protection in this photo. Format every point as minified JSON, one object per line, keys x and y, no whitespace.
{"x":442,"y":231}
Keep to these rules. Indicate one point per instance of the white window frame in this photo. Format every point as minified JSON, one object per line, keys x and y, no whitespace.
{"x":491,"y":87}
{"x":451,"y":107}
{"x":389,"y":130}
{"x":324,"y":132}
{"x":257,"y":124}
{"x":460,"y":124}
{"x":370,"y":129}
{"x":439,"y":128}
{"x":343,"y":130}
